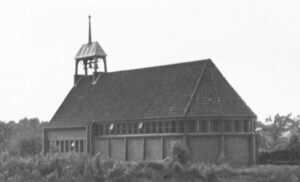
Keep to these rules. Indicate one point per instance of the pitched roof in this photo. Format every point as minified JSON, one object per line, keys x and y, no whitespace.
{"x":186,"y":89}
{"x":88,"y":51}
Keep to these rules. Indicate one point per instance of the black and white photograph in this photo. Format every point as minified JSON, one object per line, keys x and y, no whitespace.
{"x":149,"y":91}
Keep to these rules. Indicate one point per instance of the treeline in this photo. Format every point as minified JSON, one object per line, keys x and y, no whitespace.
{"x":279,"y":140}
{"x":22,"y":138}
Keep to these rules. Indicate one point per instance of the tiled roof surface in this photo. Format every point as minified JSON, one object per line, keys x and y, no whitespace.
{"x":90,"y":50}
{"x":157,"y":92}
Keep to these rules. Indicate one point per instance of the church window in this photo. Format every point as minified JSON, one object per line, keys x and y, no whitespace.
{"x":100,"y":129}
{"x":181,"y":126}
{"x":117,"y":128}
{"x":173,"y":126}
{"x":153,"y":127}
{"x":62,"y":144}
{"x":246,"y":125}
{"x":111,"y":126}
{"x":166,"y":126}
{"x":237,"y":126}
{"x":147,"y":128}
{"x":67,"y":145}
{"x":76,"y":145}
{"x":81,"y":146}
{"x":124,"y":128}
{"x":140,"y":127}
{"x":135,"y":127}
{"x":106,"y":129}
{"x":215,"y":126}
{"x":228,"y":126}
{"x":203,"y":126}
{"x":72,"y":145}
{"x":129,"y":129}
{"x":192,"y":126}
{"x":160,"y":127}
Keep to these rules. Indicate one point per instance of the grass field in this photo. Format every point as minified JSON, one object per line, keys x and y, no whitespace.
{"x":75,"y":168}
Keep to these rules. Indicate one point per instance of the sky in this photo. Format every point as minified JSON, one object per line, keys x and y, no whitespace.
{"x":255,"y":44}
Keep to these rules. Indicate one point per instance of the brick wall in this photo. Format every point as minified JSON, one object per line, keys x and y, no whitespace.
{"x":153,"y":149}
{"x":135,"y":149}
{"x":237,"y":150}
{"x":204,"y":148}
{"x":117,"y":149}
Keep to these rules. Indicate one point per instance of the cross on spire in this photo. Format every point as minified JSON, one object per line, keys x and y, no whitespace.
{"x":90,"y":30}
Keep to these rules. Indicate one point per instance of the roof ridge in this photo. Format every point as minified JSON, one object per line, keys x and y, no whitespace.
{"x":187,"y":108}
{"x":160,"y":66}
{"x":216,"y":90}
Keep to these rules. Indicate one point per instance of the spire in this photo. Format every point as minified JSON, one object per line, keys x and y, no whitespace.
{"x":90,"y":30}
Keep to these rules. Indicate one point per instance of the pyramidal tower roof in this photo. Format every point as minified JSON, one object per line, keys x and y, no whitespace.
{"x":90,"y":49}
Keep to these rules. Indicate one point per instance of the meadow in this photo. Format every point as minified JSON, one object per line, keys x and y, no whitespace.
{"x":83,"y":168}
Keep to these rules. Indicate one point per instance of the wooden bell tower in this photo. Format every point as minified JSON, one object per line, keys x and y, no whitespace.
{"x":90,"y":54}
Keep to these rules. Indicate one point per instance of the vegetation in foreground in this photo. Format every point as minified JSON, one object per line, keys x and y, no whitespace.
{"x":78,"y":168}
{"x":20,"y":146}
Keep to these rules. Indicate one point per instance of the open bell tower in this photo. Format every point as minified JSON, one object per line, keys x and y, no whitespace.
{"x":90,"y":54}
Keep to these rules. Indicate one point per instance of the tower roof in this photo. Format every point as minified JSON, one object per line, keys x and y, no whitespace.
{"x":91,"y":49}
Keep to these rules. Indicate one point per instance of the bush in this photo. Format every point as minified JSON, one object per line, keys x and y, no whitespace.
{"x":83,"y":168}
{"x":180,"y":153}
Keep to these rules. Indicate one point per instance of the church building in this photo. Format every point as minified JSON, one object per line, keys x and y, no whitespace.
{"x":140,"y":114}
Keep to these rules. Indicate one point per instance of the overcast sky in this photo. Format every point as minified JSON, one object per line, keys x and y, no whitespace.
{"x":255,"y":44}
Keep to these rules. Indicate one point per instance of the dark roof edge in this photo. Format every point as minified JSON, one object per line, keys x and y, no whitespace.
{"x":61,"y":104}
{"x":235,"y":92}
{"x":216,"y":90}
{"x":159,"y":66}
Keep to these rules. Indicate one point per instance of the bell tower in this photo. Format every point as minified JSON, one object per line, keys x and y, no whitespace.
{"x":90,"y":54}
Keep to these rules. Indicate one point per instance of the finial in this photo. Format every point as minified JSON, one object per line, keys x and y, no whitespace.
{"x":90,"y":30}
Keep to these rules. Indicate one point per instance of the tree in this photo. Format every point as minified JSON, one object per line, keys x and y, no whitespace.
{"x":278,"y":126}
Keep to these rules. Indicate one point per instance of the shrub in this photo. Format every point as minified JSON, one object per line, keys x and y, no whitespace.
{"x":180,"y":153}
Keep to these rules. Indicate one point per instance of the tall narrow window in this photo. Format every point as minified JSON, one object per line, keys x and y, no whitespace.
{"x":76,"y":146}
{"x":147,"y":127}
{"x":140,"y":127}
{"x":67,"y":145}
{"x":124,"y":131}
{"x":135,"y":127}
{"x":228,"y":126}
{"x":181,"y":126}
{"x":203,"y":126}
{"x":62,"y":146}
{"x":215,"y":126}
{"x":129,"y":128}
{"x":117,"y":129}
{"x":246,"y":125}
{"x":111,"y":128}
{"x":72,"y":146}
{"x":237,"y":126}
{"x":96,"y":129}
{"x":167,"y":128}
{"x":106,"y":130}
{"x":81,"y":146}
{"x":100,"y":129}
{"x":160,"y":127}
{"x":173,"y":126}
{"x":154,"y":127}
{"x":192,"y":126}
